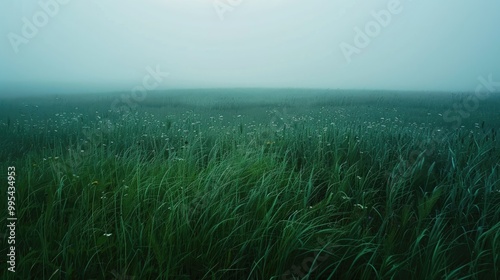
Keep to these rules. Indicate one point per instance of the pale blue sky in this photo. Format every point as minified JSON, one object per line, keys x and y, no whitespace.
{"x":108,"y":44}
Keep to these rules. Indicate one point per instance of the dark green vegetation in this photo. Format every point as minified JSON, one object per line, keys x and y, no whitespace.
{"x":254,"y":185}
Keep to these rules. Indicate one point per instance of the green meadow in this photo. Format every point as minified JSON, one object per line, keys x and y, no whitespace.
{"x":253,"y":184}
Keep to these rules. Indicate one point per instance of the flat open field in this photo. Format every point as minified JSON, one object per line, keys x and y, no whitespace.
{"x":253,"y":184}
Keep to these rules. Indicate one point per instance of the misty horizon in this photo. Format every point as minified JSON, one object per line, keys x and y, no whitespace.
{"x":69,"y":46}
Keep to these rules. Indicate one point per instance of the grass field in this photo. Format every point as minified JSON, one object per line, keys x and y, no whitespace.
{"x":253,"y":184}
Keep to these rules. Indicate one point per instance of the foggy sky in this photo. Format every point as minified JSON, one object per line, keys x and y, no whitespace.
{"x":103,"y":45}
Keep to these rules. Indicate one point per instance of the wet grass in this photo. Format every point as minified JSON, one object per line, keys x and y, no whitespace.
{"x":362,"y":186}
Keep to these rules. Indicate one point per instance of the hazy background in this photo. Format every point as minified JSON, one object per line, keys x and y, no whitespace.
{"x":106,"y":45}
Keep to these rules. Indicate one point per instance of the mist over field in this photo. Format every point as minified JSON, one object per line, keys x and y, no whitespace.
{"x":249,"y":139}
{"x":79,"y":46}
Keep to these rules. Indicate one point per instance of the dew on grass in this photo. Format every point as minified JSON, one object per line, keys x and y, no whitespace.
{"x":243,"y":171}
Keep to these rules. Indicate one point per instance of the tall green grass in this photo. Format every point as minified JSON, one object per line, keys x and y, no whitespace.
{"x":325,"y":191}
